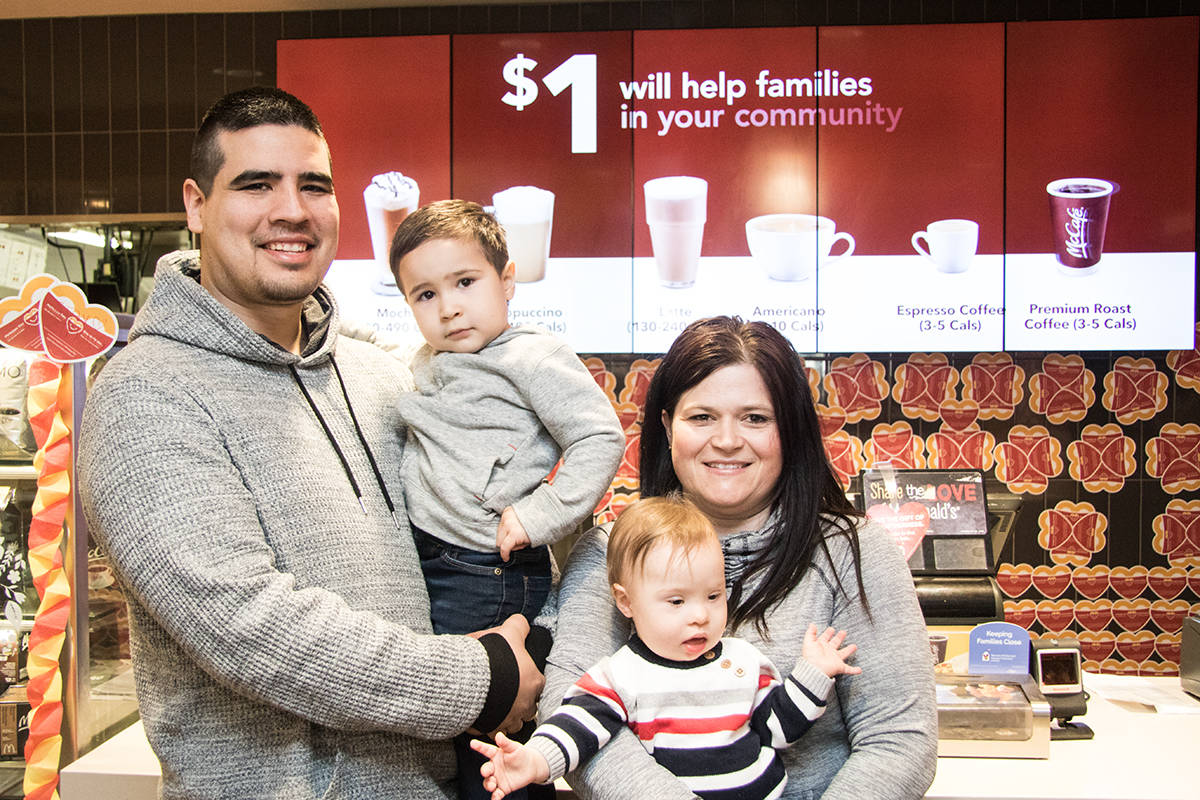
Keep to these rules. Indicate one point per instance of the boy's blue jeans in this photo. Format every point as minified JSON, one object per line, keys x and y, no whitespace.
{"x":471,"y":591}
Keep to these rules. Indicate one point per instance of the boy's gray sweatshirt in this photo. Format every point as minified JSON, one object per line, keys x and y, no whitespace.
{"x":486,"y":428}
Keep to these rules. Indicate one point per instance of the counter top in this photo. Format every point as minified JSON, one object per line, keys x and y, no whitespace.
{"x":1137,"y":754}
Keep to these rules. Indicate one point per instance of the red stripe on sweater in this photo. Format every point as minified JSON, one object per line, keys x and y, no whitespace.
{"x":651,"y":728}
{"x":588,"y":684}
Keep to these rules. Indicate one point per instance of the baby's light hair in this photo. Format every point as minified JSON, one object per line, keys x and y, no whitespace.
{"x":671,"y":519}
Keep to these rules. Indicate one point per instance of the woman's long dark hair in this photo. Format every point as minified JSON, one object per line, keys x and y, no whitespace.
{"x":807,"y":486}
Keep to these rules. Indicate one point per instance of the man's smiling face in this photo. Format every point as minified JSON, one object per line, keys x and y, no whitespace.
{"x":269,"y":225}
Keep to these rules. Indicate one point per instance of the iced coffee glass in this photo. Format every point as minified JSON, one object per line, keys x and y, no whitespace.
{"x":389,"y":198}
{"x":527,"y":215}
{"x":676,"y":210}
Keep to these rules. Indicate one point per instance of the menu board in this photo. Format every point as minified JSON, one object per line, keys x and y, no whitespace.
{"x":977,"y":187}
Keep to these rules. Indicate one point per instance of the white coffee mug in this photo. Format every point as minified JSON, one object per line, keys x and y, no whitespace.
{"x":951,"y":243}
{"x":676,"y":210}
{"x":389,"y":198}
{"x":790,"y":247}
{"x":527,"y":216}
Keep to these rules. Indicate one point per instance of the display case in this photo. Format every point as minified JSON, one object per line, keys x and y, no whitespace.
{"x":97,"y":681}
{"x":992,"y":716}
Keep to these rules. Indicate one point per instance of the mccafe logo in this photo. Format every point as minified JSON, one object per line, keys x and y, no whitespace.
{"x":1077,"y":232}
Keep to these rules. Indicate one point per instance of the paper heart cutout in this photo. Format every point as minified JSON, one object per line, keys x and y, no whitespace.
{"x":1052,"y":581}
{"x":72,"y":328}
{"x":1022,"y":613}
{"x":1014,"y":579}
{"x":1055,"y":615}
{"x":1132,"y":615}
{"x":1097,"y":645}
{"x":1168,"y":646}
{"x":1091,"y":582}
{"x":627,"y":415}
{"x":1168,"y":583}
{"x":908,"y":524}
{"x":830,"y":419}
{"x":1161,"y":670}
{"x":1129,"y":582}
{"x":20,"y":319}
{"x":54,"y":317}
{"x":1112,"y":666}
{"x":1094,"y":615}
{"x":959,"y":414}
{"x":1135,"y":645}
{"x":1194,"y":580}
{"x":1168,"y":615}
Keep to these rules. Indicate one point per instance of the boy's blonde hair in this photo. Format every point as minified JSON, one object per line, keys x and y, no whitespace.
{"x":670,"y":519}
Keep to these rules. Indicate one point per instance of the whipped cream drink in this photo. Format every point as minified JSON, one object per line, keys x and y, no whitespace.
{"x":389,"y":198}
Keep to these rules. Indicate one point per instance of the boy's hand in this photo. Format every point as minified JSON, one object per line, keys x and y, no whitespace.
{"x":510,"y":766}
{"x":510,"y":534}
{"x":825,"y":652}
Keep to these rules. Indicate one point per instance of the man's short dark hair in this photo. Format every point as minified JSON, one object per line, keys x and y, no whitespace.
{"x":245,"y":108}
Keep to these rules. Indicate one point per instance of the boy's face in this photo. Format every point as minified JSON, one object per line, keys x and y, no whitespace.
{"x":458,"y":300}
{"x":677,"y":600}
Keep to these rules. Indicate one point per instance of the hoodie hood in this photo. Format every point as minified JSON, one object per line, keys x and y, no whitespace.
{"x":181,"y":309}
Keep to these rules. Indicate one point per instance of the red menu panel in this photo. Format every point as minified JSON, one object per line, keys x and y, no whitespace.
{"x":512,"y":128}
{"x":384,"y":104}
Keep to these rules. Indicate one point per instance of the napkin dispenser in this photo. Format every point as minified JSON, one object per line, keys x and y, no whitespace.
{"x":1189,"y":656}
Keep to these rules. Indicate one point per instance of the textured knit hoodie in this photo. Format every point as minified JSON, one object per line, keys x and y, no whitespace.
{"x":278,"y":617}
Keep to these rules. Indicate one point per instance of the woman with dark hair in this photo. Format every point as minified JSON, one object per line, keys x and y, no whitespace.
{"x":730,"y":421}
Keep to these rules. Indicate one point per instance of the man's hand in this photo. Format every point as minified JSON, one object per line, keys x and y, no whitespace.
{"x":510,"y":533}
{"x":510,"y":766}
{"x":524,"y":708}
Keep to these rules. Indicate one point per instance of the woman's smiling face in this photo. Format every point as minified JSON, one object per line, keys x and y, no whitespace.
{"x":725,"y":447}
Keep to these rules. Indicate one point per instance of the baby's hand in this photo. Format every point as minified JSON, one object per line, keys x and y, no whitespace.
{"x":825,"y":652}
{"x":510,"y":534}
{"x":510,"y":766}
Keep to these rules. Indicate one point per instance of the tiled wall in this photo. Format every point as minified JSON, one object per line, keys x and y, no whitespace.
{"x":97,"y":115}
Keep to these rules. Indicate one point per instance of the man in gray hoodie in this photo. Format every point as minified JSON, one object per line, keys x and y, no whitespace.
{"x":229,"y":462}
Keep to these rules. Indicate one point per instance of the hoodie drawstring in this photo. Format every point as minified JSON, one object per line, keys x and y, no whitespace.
{"x":387,"y":498}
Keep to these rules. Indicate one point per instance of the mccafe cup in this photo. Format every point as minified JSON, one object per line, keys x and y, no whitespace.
{"x":1078,"y":217}
{"x":676,"y":210}
{"x":790,"y":247}
{"x":527,"y":214}
{"x":389,"y":198}
{"x":951,"y":243}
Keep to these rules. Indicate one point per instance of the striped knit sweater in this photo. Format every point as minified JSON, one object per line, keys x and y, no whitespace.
{"x":716,"y":722}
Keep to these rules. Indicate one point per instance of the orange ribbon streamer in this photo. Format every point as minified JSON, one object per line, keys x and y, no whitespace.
{"x":43,"y":748}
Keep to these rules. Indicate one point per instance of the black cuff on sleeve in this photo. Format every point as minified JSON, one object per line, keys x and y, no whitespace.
{"x":506,"y":680}
{"x":538,"y":644}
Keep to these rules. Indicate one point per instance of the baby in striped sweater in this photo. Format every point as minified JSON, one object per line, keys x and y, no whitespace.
{"x":711,"y":709}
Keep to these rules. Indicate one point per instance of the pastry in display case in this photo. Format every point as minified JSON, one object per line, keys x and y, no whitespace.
{"x":992,"y":716}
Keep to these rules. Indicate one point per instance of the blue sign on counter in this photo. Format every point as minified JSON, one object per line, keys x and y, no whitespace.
{"x":998,"y":648}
